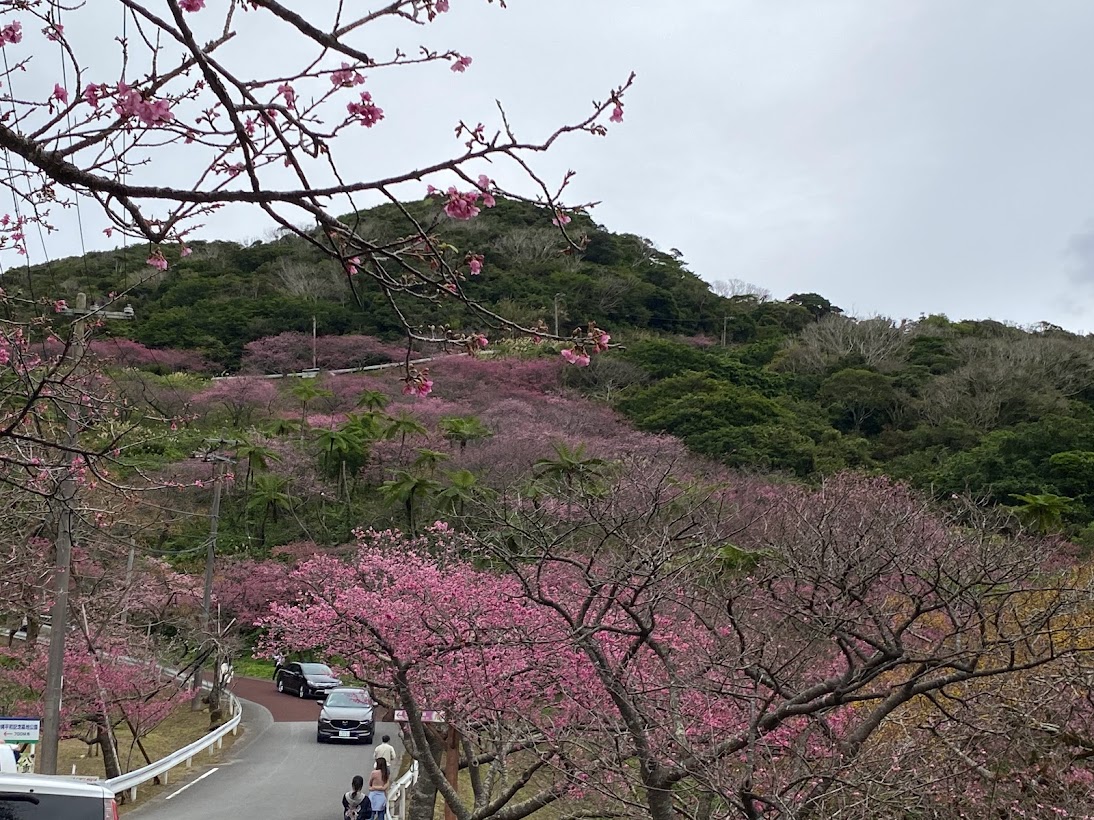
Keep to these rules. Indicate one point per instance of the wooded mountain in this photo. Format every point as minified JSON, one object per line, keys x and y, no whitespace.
{"x":787,"y":386}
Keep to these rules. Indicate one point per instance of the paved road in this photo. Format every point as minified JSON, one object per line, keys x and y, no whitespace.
{"x":276,"y":770}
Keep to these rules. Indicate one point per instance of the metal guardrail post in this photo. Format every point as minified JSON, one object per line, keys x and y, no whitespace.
{"x":128,"y":782}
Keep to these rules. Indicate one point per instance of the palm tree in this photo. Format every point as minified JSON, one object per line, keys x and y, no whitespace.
{"x":338,"y":450}
{"x":462,"y":487}
{"x":307,"y":391}
{"x":429,"y":458}
{"x":370,"y":425}
{"x":1043,"y":512}
{"x":462,"y":430}
{"x":409,"y":490}
{"x":257,"y":457}
{"x":570,"y":467}
{"x":373,"y":400}
{"x":268,"y":496}
{"x":282,"y":427}
{"x":404,"y":425}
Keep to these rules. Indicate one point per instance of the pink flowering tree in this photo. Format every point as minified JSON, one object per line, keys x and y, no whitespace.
{"x":427,"y":630}
{"x":183,"y":124}
{"x":785,"y":653}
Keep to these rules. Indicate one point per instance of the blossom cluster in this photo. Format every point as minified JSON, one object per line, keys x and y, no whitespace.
{"x":586,"y":343}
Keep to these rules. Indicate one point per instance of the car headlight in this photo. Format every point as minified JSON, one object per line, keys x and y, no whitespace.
{"x":324,"y":720}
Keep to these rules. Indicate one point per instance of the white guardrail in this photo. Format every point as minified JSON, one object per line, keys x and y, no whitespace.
{"x":397,"y":794}
{"x":184,"y":756}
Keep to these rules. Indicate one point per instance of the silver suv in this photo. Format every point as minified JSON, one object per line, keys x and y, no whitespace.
{"x":346,"y":715}
{"x":43,"y":797}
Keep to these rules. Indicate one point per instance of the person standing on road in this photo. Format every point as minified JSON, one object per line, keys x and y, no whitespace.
{"x":386,"y":751}
{"x":377,"y":789}
{"x":352,"y":800}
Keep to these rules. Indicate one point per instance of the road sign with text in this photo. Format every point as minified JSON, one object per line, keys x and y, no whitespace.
{"x":20,"y":730}
{"x":427,"y":716}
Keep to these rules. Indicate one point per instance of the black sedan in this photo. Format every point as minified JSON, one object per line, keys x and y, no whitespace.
{"x":346,"y":715}
{"x":306,"y":680}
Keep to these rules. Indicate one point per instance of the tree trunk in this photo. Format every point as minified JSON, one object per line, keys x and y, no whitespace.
{"x":423,"y":794}
{"x":34,"y":628}
{"x":111,"y":764}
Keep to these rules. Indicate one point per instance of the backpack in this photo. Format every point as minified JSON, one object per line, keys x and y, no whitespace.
{"x":353,"y":810}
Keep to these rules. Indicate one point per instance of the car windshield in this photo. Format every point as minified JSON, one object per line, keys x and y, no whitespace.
{"x":358,"y":697}
{"x":49,"y":807}
{"x":314,"y":669}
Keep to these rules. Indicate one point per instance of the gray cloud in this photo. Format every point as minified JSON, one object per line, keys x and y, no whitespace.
{"x":925,"y":157}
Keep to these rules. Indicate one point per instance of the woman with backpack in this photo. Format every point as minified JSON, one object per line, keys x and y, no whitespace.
{"x":352,"y":800}
{"x":377,"y":789}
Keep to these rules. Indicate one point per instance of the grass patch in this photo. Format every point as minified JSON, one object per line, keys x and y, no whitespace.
{"x":179,"y":729}
{"x":254,"y":667}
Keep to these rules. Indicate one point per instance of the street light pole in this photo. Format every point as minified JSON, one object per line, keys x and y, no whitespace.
{"x":66,"y":497}
{"x":210,"y":558}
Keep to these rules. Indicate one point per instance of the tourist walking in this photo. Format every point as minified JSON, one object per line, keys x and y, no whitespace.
{"x":352,"y":800}
{"x":377,"y":789}
{"x":386,"y":751}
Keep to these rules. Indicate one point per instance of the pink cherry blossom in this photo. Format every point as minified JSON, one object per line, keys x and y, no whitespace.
{"x":461,"y":206}
{"x":441,"y":6}
{"x":130,"y":103}
{"x":366,"y":111}
{"x":53,"y":31}
{"x":11,"y":33}
{"x":191,"y":5}
{"x":602,"y":342}
{"x":560,"y":219}
{"x":109,"y":232}
{"x":184,"y":251}
{"x":578,"y":358}
{"x":461,"y":65}
{"x":60,"y":306}
{"x":475,"y":265}
{"x":351,"y":265}
{"x":60,"y":93}
{"x":157,"y":260}
{"x":289,"y":93}
{"x":346,"y":76}
{"x":617,"y":114}
{"x":92,"y":92}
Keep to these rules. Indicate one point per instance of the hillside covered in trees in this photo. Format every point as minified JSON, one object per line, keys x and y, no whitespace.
{"x":789,"y":387}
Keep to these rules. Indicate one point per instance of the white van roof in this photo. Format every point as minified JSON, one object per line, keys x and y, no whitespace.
{"x":53,"y":784}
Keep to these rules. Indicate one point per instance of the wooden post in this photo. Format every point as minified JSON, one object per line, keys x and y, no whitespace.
{"x":451,"y":766}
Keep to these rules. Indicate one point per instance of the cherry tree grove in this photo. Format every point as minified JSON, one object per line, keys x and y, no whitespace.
{"x":642,"y":647}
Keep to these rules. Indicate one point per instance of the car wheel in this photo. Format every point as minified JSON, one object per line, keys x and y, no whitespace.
{"x":281,"y":686}
{"x":303,"y":690}
{"x":367,"y":740}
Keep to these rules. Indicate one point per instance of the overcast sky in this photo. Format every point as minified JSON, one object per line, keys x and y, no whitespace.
{"x":899,"y":158}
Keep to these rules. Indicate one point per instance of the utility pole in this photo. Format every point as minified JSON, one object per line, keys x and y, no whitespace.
{"x":725,"y":321}
{"x":314,"y":358}
{"x":210,"y":558}
{"x":66,"y":497}
{"x":557,"y":295}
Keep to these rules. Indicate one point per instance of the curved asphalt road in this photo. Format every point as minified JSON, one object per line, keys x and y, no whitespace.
{"x":275,"y":771}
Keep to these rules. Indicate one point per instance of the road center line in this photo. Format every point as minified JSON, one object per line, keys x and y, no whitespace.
{"x":191,"y":783}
